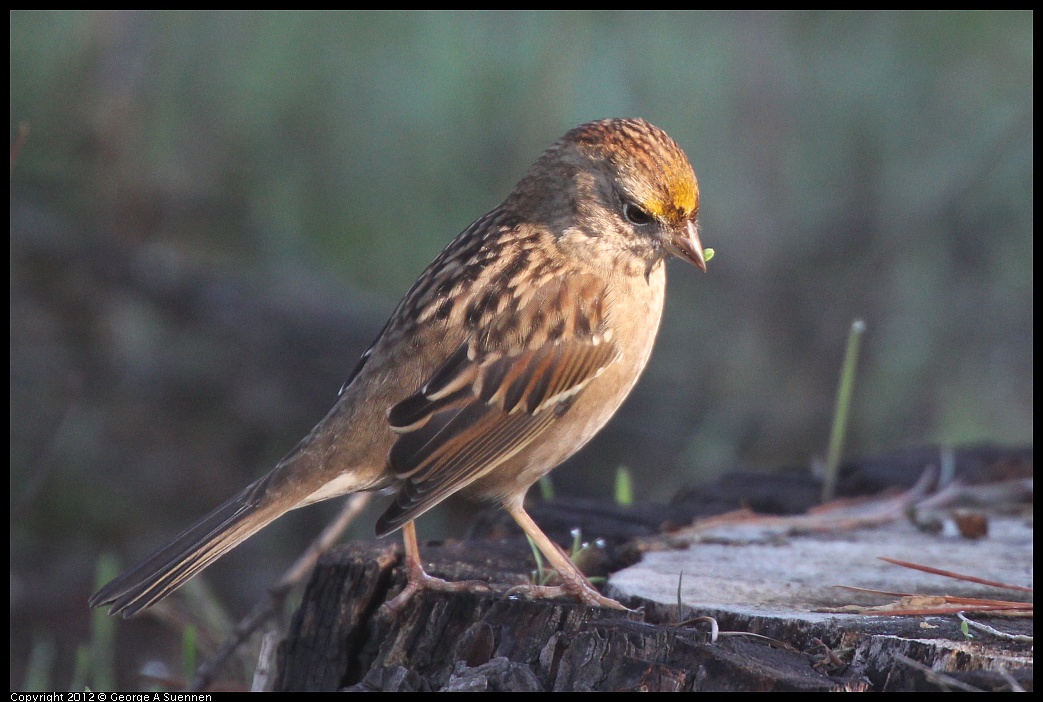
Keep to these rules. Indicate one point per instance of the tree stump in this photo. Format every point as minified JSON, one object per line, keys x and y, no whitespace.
{"x":342,"y":639}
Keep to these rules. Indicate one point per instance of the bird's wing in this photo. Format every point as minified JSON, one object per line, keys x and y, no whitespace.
{"x":495,"y":394}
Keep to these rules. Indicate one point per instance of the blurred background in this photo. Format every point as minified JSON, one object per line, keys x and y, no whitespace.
{"x":212,"y":214}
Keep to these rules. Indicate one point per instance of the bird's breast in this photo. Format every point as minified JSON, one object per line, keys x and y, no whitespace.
{"x":633,"y":310}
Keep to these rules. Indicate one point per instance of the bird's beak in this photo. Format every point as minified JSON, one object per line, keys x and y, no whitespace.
{"x":686,"y":245}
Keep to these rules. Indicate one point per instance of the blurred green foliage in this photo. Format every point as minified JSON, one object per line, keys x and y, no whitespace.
{"x":874,"y":165}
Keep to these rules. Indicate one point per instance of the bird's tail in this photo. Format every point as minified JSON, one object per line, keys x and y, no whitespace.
{"x":193,"y":550}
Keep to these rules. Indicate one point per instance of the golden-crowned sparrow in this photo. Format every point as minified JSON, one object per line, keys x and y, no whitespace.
{"x":515,"y":346}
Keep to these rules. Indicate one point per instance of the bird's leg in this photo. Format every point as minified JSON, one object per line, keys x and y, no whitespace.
{"x":573,"y":581}
{"x":417,"y":578}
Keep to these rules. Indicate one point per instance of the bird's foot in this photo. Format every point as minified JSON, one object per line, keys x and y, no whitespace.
{"x":583,"y":592}
{"x":418,"y":581}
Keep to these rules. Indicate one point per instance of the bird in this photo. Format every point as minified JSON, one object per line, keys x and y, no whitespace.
{"x":513,"y":348}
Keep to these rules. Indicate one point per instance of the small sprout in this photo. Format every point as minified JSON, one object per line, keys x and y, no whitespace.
{"x":189,"y":650}
{"x":39,"y":670}
{"x":843,"y":405}
{"x":624,"y":487}
{"x":589,"y":556}
{"x":707,"y":255}
{"x":540,"y":576}
{"x":577,"y":542}
{"x":580,"y":552}
{"x":680,"y":577}
{"x":546,"y":488}
{"x":103,"y":631}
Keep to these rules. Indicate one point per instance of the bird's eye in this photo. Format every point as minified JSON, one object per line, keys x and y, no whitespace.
{"x":635,"y":215}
